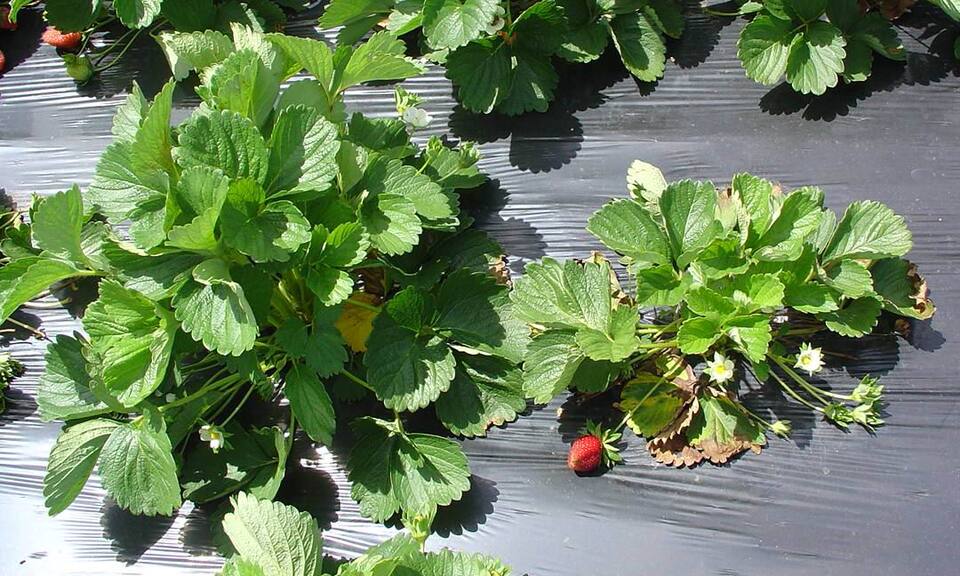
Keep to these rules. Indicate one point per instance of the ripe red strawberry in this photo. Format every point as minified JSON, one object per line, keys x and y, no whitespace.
{"x":57,"y":39}
{"x":3,"y":62}
{"x":5,"y":23}
{"x":596,"y":446}
{"x":586,"y":452}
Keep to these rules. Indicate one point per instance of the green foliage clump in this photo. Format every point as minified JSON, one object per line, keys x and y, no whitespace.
{"x":741,"y":277}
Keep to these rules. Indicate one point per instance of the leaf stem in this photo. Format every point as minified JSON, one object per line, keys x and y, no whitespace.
{"x":238,"y":406}
{"x":364,"y":305}
{"x":357,"y":380}
{"x":793,"y":393}
{"x":815,"y":391}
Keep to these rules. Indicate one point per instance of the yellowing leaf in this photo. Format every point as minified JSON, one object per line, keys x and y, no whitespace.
{"x":356,"y":322}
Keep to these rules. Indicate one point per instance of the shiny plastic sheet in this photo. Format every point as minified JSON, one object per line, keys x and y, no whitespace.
{"x":827,"y":501}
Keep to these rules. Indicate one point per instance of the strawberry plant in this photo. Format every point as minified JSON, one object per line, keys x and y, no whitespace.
{"x":73,"y":24}
{"x":273,"y":539}
{"x":728,"y":283}
{"x":500,"y":55}
{"x":270,"y":247}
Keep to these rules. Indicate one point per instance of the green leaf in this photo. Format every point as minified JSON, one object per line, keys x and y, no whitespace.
{"x":722,"y":421}
{"x":397,"y":179}
{"x":393,"y":471}
{"x":191,"y":51}
{"x":564,"y":294}
{"x":868,"y":230}
{"x":392,"y":223}
{"x":132,"y":339}
{"x":627,"y":228}
{"x":137,"y":13}
{"x":816,"y":58}
{"x":706,"y":302}
{"x":242,"y":84}
{"x":224,"y":140}
{"x":812,"y":298}
{"x":618,"y":342}
{"x":72,"y":15}
{"x":465,"y":309}
{"x":407,"y":370}
{"x":311,"y":404}
{"x":757,"y":196}
{"x":346,"y":245}
{"x":903,"y":290}
{"x":217,"y":313}
{"x":645,"y":181}
{"x":761,"y":291}
{"x":312,"y":55}
{"x":649,"y":407}
{"x":56,"y":223}
{"x":189,"y":15}
{"x":697,"y":335}
{"x":71,"y":461}
{"x":342,"y":12}
{"x":752,"y":335}
{"x":554,"y":362}
{"x":640,"y":45}
{"x":381,"y":57}
{"x":24,"y":279}
{"x":764,"y":48}
{"x":539,"y":29}
{"x":805,"y":10}
{"x":851,"y":278}
{"x":64,"y":389}
{"x":237,"y":566}
{"x":137,"y":467}
{"x":667,"y":16}
{"x":156,"y":277}
{"x":660,"y":286}
{"x":483,"y":74}
{"x":330,"y":285}
{"x":689,"y":212}
{"x":248,"y":460}
{"x":271,"y":234}
{"x":487,"y":391}
{"x":278,"y":538}
{"x":532,"y":85}
{"x":118,"y":187}
{"x":799,"y":218}
{"x":449,"y":24}
{"x":854,"y":320}
{"x":321,"y":347}
{"x":303,"y":151}
{"x":951,"y":7}
{"x":584,"y":44}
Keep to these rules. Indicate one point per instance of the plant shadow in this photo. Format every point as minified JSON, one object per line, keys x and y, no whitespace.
{"x":131,"y":536}
{"x":18,"y":45}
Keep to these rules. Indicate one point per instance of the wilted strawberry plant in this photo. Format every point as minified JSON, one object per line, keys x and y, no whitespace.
{"x":270,"y":249}
{"x":729,"y":283}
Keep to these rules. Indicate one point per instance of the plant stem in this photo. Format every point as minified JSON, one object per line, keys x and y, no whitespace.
{"x":364,"y":305}
{"x":658,"y":345}
{"x":239,"y":405}
{"x":119,"y":56}
{"x":211,"y":384}
{"x":815,"y":391}
{"x":356,"y":379}
{"x":793,"y":393}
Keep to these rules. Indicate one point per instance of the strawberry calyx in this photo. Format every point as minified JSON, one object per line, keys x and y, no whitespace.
{"x":608,"y":442}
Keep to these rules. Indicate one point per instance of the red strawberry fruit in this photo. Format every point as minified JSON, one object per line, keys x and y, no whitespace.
{"x":597,"y":446}
{"x":5,"y":23}
{"x":586,"y":452}
{"x":3,"y":62}
{"x":57,"y":39}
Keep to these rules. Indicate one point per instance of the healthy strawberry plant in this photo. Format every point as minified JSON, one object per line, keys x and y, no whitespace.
{"x":270,"y":249}
{"x":500,"y":55}
{"x":728,"y":283}
{"x":73,"y":24}
{"x":273,"y":539}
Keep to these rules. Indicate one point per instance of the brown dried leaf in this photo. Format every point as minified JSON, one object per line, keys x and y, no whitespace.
{"x":500,"y":271}
{"x":920,"y":293}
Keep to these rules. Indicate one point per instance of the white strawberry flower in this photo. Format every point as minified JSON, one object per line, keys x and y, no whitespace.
{"x":497,"y":23}
{"x":213,"y":436}
{"x":720,"y":369}
{"x":417,"y":118}
{"x":810,"y":359}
